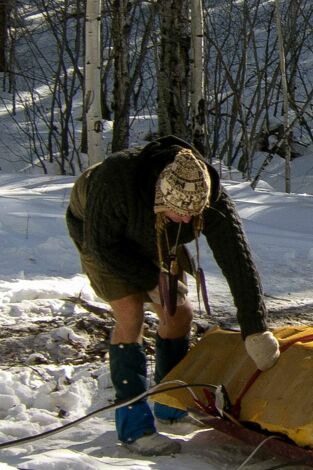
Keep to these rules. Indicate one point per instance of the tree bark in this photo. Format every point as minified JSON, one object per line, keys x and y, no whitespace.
{"x":198,"y":108}
{"x":4,"y":4}
{"x":93,"y":82}
{"x":282,"y":58}
{"x":173,"y":73}
{"x":121,"y":93}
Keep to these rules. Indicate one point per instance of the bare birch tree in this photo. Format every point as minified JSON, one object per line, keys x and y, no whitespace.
{"x":93,"y":81}
{"x":198,"y":105}
{"x":282,"y":59}
{"x":241,"y":83}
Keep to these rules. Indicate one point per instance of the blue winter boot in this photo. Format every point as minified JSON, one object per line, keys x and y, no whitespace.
{"x":168,"y":353}
{"x":135,"y":422}
{"x":128,"y":375}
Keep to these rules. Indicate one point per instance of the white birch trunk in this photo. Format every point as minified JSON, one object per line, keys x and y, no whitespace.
{"x":282,"y":57}
{"x":93,"y":81}
{"x":197,"y":81}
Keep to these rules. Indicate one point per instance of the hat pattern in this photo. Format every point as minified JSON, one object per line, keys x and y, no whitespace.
{"x":183,"y":186}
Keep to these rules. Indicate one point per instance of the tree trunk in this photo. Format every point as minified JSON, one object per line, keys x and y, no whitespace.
{"x":121,"y":94}
{"x":198,"y":108}
{"x":293,"y":46}
{"x":3,"y":34}
{"x":173,"y":74}
{"x":93,"y":82}
{"x":286,"y":142}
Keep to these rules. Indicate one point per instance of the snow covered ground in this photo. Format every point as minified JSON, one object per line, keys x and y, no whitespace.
{"x":53,"y":368}
{"x":54,"y":331}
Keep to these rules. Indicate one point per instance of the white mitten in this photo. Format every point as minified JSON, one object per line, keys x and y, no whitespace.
{"x":263,"y":348}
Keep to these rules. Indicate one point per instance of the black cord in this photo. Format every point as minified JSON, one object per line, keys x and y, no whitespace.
{"x":154,"y":391}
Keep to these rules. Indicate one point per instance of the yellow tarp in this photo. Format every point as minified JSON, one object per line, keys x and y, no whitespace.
{"x":280,"y":400}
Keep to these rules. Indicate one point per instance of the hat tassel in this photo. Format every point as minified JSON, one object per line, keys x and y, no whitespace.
{"x":199,"y":273}
{"x":168,"y":282}
{"x":201,"y":287}
{"x":169,"y":272}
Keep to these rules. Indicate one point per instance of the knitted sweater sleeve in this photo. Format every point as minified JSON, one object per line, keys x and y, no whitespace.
{"x":105,"y":238}
{"x":226,"y":238}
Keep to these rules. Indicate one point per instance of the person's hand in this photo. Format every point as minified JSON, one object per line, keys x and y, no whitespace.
{"x":263,"y":348}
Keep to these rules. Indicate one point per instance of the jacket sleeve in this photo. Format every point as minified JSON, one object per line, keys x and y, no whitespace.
{"x":226,"y":238}
{"x":105,"y":239}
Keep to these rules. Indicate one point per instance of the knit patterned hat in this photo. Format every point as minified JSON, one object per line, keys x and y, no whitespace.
{"x":183,"y":186}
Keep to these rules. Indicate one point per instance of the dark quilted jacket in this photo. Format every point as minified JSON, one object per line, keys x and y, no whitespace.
{"x":111,"y":217}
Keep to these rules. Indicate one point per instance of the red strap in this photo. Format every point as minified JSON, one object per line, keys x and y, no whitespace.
{"x":209,"y":406}
{"x":304,"y":339}
{"x":237,"y":406}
